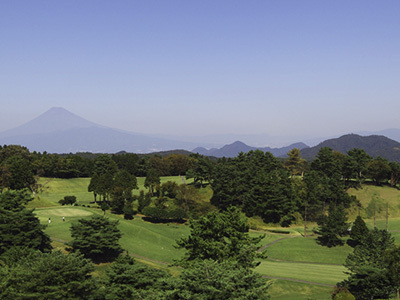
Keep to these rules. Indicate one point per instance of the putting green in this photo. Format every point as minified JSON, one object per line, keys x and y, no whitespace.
{"x":62,"y":212}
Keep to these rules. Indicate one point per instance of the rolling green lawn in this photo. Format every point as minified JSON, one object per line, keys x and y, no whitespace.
{"x":54,"y":189}
{"x":154,"y":241}
{"x":307,"y":250}
{"x":289,"y":290}
{"x":319,"y":273}
{"x":292,"y":256}
{"x":370,"y":195}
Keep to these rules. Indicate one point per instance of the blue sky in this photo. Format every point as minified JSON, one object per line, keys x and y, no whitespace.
{"x":298,"y":68}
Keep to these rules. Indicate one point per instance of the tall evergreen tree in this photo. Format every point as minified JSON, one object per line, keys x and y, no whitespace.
{"x":332,"y":227}
{"x":220,"y":236}
{"x":211,"y":280}
{"x":127,"y":279}
{"x":152,"y":180}
{"x":294,"y":163}
{"x":48,"y":276}
{"x":368,"y":278}
{"x":19,"y":227}
{"x":96,"y":238}
{"x":358,"y":232}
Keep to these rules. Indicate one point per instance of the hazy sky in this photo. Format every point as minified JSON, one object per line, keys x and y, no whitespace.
{"x":199,"y":67}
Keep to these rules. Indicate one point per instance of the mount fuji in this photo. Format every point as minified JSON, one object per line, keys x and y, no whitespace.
{"x":60,"y":131}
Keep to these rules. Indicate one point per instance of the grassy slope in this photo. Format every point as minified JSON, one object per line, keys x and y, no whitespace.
{"x":325,"y":274}
{"x":284,"y":290}
{"x":54,"y":189}
{"x":156,"y":241}
{"x":307,"y":250}
{"x":370,"y":195}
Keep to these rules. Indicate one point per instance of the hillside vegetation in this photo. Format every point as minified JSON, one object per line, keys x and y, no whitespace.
{"x":302,"y":207}
{"x":296,"y":266}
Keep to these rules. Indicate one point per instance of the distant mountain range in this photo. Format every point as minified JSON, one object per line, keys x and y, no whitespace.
{"x":60,"y":131}
{"x":374,"y":145}
{"x":235,"y":148}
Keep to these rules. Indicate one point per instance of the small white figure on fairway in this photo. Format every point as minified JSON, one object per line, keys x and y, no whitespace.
{"x":63,"y":219}
{"x":49,"y":220}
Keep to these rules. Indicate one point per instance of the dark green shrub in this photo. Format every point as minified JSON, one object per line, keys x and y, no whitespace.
{"x":67,"y":200}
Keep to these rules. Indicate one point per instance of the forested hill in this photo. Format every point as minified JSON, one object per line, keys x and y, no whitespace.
{"x":374,"y":145}
{"x":232,"y":150}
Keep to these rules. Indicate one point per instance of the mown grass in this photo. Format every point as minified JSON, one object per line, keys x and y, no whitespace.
{"x":154,"y":241}
{"x":375,"y":198}
{"x":54,"y":189}
{"x":307,"y":250}
{"x":58,"y":229}
{"x":289,"y":290}
{"x":318,"y":273}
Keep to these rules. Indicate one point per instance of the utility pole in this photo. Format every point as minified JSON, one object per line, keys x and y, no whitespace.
{"x":305,"y":219}
{"x":387,"y":216}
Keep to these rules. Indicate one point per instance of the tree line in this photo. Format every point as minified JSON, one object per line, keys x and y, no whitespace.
{"x":19,"y":167}
{"x":281,"y":191}
{"x":277,"y":190}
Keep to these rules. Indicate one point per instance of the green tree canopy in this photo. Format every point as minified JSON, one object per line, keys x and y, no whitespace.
{"x":332,"y":227}
{"x":294,"y":163}
{"x":16,"y":169}
{"x":67,"y":200}
{"x":220,"y":236}
{"x":379,"y":170}
{"x":201,"y":171}
{"x":258,"y":184}
{"x":127,"y":279}
{"x":358,"y":232}
{"x":368,"y":278}
{"x":355,"y":165}
{"x":48,"y":276}
{"x":211,"y":280}
{"x":152,"y":180}
{"x":392,"y":261}
{"x":326,"y":163}
{"x":96,"y":238}
{"x":121,"y":195}
{"x":19,"y":227}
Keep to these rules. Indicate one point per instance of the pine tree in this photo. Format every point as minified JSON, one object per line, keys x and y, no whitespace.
{"x":220,"y":236}
{"x":96,"y":238}
{"x":358,"y":232}
{"x":332,"y":227}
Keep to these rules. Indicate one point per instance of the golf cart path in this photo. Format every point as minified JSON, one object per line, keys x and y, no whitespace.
{"x":269,"y":244}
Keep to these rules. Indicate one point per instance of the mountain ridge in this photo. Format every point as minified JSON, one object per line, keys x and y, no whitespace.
{"x":232,"y":150}
{"x":374,"y":145}
{"x":54,"y":119}
{"x":60,"y":131}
